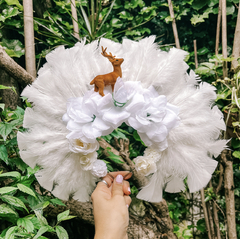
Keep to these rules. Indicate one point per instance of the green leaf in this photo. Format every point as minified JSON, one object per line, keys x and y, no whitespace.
{"x":198,"y":4}
{"x":10,"y":12}
{"x":26,"y":223}
{"x":5,"y":129}
{"x":11,"y":174}
{"x":230,"y":10}
{"x":57,"y":201}
{"x":6,"y":211}
{"x":61,"y":232}
{"x":137,"y":137}
{"x":236,"y":154}
{"x":14,"y":2}
{"x":14,"y":48}
{"x":5,"y":190}
{"x":119,"y":135}
{"x":9,"y":234}
{"x":62,"y":215}
{"x":4,"y":154}
{"x":41,"y":231}
{"x":14,"y":201}
{"x":3,"y":87}
{"x":202,"y":51}
{"x":115,"y":158}
{"x":41,"y":218}
{"x":235,"y":143}
{"x":25,"y":189}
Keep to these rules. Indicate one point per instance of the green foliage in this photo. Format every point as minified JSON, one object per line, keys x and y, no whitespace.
{"x":20,"y":205}
{"x":11,"y":17}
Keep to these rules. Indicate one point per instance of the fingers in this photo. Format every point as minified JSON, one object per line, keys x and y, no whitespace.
{"x":117,"y":188}
{"x":126,"y":188}
{"x":128,"y":200}
{"x":125,"y":174}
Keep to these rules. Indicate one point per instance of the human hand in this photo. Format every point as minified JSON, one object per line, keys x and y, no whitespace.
{"x":110,"y":207}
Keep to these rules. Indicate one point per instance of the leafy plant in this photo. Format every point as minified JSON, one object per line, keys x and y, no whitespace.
{"x":21,"y":207}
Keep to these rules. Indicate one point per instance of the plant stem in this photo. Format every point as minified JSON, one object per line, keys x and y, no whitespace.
{"x":224,"y":37}
{"x":174,"y":25}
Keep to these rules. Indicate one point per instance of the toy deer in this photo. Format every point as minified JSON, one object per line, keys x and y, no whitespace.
{"x":101,"y":81}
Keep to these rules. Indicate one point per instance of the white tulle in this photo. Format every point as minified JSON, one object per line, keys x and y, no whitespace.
{"x":186,"y":150}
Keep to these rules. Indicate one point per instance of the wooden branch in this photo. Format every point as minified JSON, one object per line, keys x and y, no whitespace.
{"x":220,"y":181}
{"x":229,"y":194}
{"x":205,"y":213}
{"x":138,"y":179}
{"x":174,"y":25}
{"x":236,"y":42}
{"x":195,"y":53}
{"x":75,"y":19}
{"x":13,"y":69}
{"x":29,"y":37}
{"x":215,"y":216}
{"x":210,"y":219}
{"x":218,"y":27}
{"x":224,"y":37}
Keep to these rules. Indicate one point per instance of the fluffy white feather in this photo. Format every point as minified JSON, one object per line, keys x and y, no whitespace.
{"x":68,"y":73}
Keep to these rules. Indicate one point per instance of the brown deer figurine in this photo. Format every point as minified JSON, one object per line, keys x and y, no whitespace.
{"x":101,"y":81}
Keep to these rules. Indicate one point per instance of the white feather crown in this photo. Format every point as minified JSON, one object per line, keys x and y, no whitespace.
{"x":171,"y":110}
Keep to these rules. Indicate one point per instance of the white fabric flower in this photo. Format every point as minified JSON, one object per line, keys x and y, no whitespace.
{"x":154,"y":119}
{"x":152,"y":154}
{"x":126,"y":97}
{"x":145,"y":165}
{"x":77,"y":146}
{"x":84,"y":117}
{"x":99,"y":168}
{"x":87,"y":160}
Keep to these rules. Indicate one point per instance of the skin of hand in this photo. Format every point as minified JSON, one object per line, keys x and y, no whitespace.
{"x":110,"y":207}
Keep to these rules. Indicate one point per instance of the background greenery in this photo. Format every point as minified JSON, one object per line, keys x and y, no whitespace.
{"x":21,"y":206}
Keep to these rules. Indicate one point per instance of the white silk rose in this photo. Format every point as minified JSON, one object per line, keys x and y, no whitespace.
{"x":87,"y":160}
{"x":84,"y":117}
{"x":77,"y":146}
{"x":126,"y":97}
{"x":154,"y":119}
{"x":99,"y":168}
{"x":145,"y":165}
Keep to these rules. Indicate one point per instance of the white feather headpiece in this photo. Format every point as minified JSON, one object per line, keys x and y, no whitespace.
{"x":172,"y":111}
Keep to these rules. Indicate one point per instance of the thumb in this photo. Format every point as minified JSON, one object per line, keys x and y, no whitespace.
{"x":117,"y":188}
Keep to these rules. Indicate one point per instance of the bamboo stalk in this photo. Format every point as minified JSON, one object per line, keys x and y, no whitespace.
{"x":236,"y":42}
{"x":29,"y":37}
{"x":224,"y":37}
{"x":205,"y":213}
{"x":218,"y":27}
{"x":174,"y":25}
{"x":75,"y":19}
{"x":195,"y":53}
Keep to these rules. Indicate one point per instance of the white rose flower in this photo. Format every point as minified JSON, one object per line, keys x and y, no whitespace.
{"x":154,"y":119}
{"x":87,"y":160}
{"x":152,"y":154}
{"x":145,"y":165}
{"x":84,"y":117}
{"x":77,"y":146}
{"x":127,"y":96}
{"x":99,"y":168}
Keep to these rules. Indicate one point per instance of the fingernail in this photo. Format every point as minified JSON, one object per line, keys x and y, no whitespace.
{"x":129,"y":190}
{"x":127,"y":205}
{"x":119,"y":178}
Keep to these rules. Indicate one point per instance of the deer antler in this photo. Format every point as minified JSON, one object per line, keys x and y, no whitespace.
{"x":109,"y":56}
